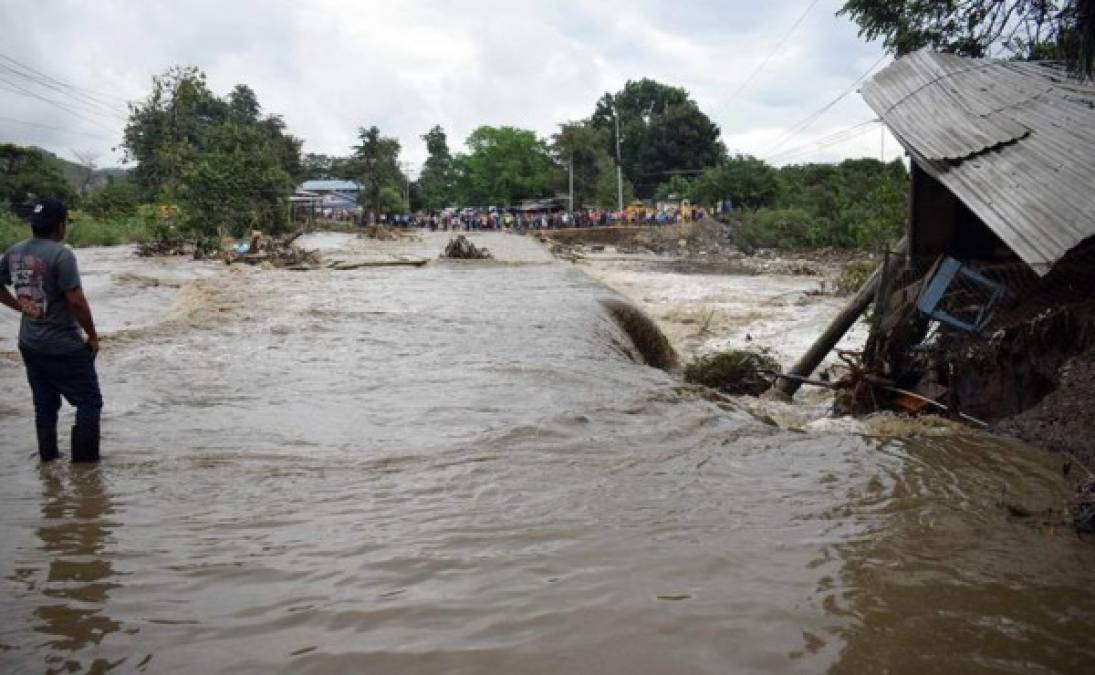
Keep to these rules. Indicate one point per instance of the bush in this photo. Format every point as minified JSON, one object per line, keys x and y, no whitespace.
{"x":85,"y":230}
{"x":735,"y":372}
{"x":117,"y":198}
{"x":779,"y":228}
{"x":853,"y":275}
{"x":12,"y":229}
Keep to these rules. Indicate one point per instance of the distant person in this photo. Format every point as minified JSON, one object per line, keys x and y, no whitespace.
{"x":59,"y":362}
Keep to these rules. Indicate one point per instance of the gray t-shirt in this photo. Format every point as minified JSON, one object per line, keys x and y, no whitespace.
{"x":41,"y":270}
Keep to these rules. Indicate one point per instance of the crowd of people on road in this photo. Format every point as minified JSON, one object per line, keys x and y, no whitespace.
{"x":470,"y":219}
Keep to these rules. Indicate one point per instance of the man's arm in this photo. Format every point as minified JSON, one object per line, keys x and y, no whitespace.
{"x":8,"y":300}
{"x":81,"y":310}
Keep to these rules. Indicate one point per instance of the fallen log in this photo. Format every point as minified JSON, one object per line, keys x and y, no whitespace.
{"x":847,"y":317}
{"x":342,"y":267}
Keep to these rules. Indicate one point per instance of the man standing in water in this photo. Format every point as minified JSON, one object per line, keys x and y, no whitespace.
{"x":59,"y":362}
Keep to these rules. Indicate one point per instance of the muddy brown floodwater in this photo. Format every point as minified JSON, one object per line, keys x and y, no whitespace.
{"x":456,"y":469}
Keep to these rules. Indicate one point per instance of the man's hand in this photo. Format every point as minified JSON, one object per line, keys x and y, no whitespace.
{"x":93,"y":346}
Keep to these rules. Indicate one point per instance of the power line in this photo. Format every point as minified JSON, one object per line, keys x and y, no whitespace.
{"x":830,"y":140}
{"x":813,"y":117}
{"x":771,"y":54}
{"x":91,"y":104}
{"x":14,"y":88}
{"x":89,"y":92}
{"x":53,"y":128}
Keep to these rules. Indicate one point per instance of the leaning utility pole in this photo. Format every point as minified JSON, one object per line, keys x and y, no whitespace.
{"x":619,"y":169}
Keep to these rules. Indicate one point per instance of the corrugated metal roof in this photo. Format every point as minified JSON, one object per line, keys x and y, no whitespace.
{"x":330,"y":186}
{"x":1014,"y":141}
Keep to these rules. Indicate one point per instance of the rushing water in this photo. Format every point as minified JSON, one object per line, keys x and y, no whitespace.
{"x":457,"y":469}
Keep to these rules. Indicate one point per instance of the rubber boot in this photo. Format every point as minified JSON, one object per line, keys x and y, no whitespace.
{"x":85,"y":444}
{"x":47,"y":444}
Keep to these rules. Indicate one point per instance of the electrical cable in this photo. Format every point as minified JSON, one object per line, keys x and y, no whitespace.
{"x":12,"y":87}
{"x":768,"y":58}
{"x":802,"y":125}
{"x":88,"y":92}
{"x":90,"y":104}
{"x":841,"y":136}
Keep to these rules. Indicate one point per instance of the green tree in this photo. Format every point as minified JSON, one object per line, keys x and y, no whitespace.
{"x":607,"y":189}
{"x":503,"y":166}
{"x":235,"y":185}
{"x":167,"y":131}
{"x":677,"y":187}
{"x":584,"y":145}
{"x":1060,"y":29}
{"x":435,"y":184}
{"x":375,"y":165}
{"x":662,"y":131}
{"x":27,"y":174}
{"x":747,"y":181}
{"x":118,"y":197}
{"x":221,"y":161}
{"x":325,"y":167}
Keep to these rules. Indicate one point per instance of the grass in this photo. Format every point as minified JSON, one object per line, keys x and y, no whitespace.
{"x":83,"y":231}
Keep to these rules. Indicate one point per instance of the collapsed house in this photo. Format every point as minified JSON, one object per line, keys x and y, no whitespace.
{"x":993,"y":289}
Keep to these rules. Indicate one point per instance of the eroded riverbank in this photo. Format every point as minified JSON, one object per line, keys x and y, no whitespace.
{"x":454,"y":469}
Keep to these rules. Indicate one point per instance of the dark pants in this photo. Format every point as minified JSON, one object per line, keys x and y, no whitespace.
{"x":71,"y":375}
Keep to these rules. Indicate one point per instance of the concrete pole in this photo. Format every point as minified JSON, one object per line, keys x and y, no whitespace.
{"x":619,"y":168}
{"x":571,"y":184}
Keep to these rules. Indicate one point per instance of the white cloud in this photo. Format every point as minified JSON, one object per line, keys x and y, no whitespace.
{"x":329,"y":67}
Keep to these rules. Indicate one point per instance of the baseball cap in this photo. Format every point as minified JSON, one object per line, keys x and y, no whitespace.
{"x":48,"y":214}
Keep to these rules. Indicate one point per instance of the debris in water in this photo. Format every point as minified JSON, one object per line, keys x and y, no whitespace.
{"x":644,"y":333}
{"x":739,"y":373}
{"x":462,"y":248}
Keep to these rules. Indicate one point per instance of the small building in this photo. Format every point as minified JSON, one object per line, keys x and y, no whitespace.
{"x":329,"y":199}
{"x":1003,"y":153}
{"x":995,"y":292}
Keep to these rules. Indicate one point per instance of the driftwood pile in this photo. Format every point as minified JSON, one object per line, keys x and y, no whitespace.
{"x":462,"y":248}
{"x":277,"y":251}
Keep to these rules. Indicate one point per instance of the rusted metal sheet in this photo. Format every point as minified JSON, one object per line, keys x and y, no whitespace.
{"x":1014,"y":141}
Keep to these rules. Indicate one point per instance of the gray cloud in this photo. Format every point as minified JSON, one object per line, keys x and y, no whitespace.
{"x":329,"y":67}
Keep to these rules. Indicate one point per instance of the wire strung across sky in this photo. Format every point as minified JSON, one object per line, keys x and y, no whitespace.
{"x":8,"y":85}
{"x":840,"y":136}
{"x":752,"y":76}
{"x":13,"y":120}
{"x":88,"y":95}
{"x":801,"y":126}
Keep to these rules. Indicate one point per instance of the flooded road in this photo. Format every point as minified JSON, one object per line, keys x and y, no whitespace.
{"x":458,"y":469}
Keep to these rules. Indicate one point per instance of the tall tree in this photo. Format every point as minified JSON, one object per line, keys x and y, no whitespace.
{"x":27,"y":174}
{"x":662,"y":131}
{"x":1059,"y":29}
{"x":582,"y":146}
{"x":435,"y":183}
{"x":503,"y":166}
{"x":747,"y":181}
{"x":227,"y":167}
{"x":375,"y":164}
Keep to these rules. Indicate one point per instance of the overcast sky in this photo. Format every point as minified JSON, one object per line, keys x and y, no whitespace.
{"x":331,"y":66}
